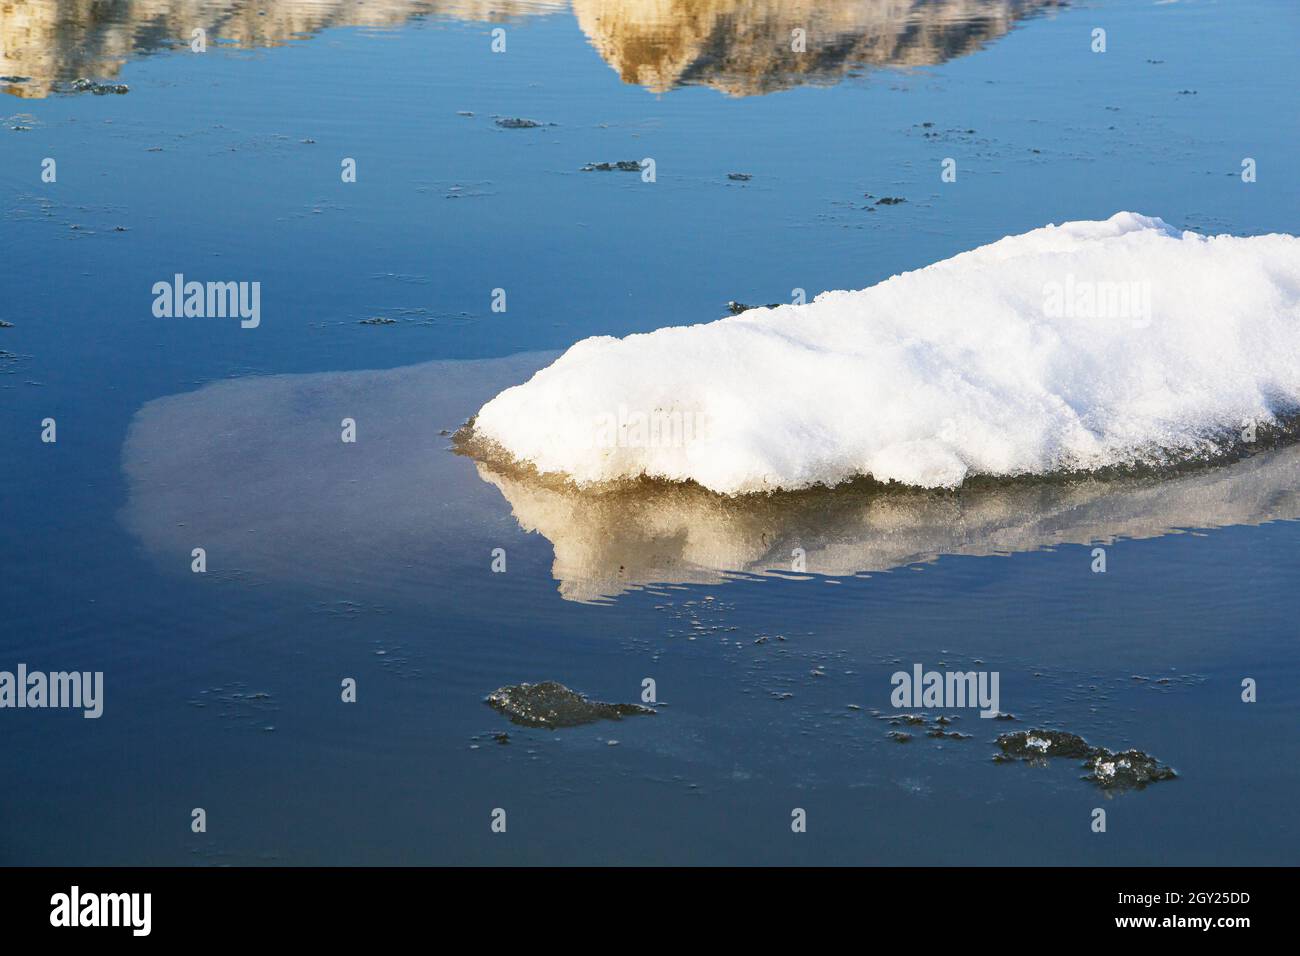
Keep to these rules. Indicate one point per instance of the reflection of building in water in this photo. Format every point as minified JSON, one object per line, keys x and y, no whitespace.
{"x":744,"y":47}
{"x":47,"y":41}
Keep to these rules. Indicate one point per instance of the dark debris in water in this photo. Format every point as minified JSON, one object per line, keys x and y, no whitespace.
{"x":84,"y":85}
{"x":938,"y":728}
{"x":552,"y":705}
{"x":238,"y":705}
{"x":1032,"y":744}
{"x":621,"y":166}
{"x":1166,"y":683}
{"x":914,"y":720}
{"x":1125,"y":770}
{"x":738,"y":307}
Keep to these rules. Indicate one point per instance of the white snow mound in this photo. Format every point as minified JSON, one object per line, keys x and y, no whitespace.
{"x":1069,"y":347}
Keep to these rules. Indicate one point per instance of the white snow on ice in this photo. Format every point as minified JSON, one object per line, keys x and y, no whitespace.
{"x":1068,"y":347}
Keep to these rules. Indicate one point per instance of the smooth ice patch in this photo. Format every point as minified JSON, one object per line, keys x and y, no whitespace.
{"x":1070,"y":347}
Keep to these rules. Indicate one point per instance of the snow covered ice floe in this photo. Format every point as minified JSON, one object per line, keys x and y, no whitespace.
{"x":246,"y":467}
{"x":1068,"y":348}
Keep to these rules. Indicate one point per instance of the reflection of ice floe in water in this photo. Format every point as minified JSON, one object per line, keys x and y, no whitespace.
{"x":253,"y":470}
{"x":747,"y":47}
{"x":656,"y":533}
{"x":1078,"y":347}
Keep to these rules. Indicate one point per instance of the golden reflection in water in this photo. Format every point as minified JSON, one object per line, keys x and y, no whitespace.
{"x":742,"y":47}
{"x":49,"y":41}
{"x":655,"y":533}
{"x":746,"y":47}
